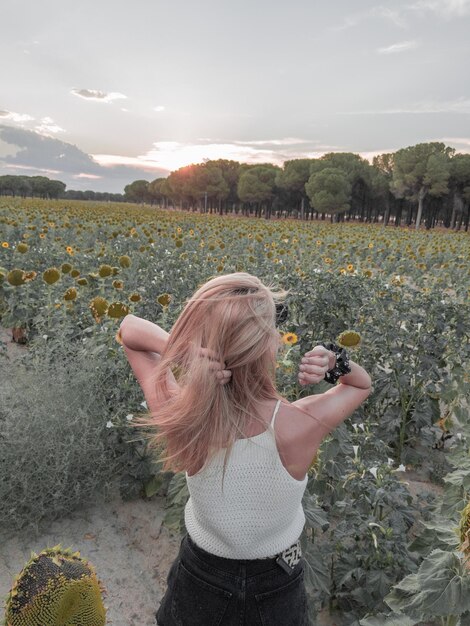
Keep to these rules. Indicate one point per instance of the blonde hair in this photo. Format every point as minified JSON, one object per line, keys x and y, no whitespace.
{"x":232,"y":315}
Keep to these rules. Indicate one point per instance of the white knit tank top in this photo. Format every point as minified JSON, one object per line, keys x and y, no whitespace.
{"x":259,"y":512}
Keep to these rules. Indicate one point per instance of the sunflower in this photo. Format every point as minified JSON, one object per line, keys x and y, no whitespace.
{"x":98,"y":306}
{"x":105,"y":270}
{"x":5,"y":244}
{"x":16,"y":277}
{"x":349,"y":339}
{"x":328,"y":260}
{"x":350,"y":267}
{"x":69,"y":250}
{"x":51,"y":275}
{"x":164,"y":299}
{"x":289,"y":338}
{"x":70,"y":294}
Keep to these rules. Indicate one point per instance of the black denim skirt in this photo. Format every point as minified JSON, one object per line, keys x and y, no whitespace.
{"x":208,"y":590}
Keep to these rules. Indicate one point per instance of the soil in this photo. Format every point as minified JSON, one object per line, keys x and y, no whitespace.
{"x":127,"y":544}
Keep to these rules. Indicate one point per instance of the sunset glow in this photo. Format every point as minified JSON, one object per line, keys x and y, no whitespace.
{"x":171,"y":155}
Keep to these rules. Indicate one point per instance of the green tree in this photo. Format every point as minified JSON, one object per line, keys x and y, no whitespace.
{"x":293,"y":177}
{"x":231,"y":174}
{"x":329,"y":190}
{"x":208,"y":183}
{"x":180,"y":185}
{"x":55,"y":189}
{"x":421,"y":170}
{"x":156,"y":190}
{"x":137,"y":191}
{"x":357,"y":172}
{"x":459,"y":183}
{"x":382,"y":176}
{"x":256,"y":186}
{"x":9,"y":185}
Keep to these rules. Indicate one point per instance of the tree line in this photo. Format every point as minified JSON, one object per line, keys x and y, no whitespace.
{"x":428,"y":181}
{"x":43,"y":187}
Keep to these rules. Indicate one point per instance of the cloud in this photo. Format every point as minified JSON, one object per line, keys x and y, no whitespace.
{"x":48,"y":126}
{"x":159,"y":108}
{"x":30,"y":169}
{"x":288,"y":141}
{"x":97,"y":96}
{"x":459,"y":105}
{"x":171,"y":155}
{"x":462,"y":143}
{"x":30,"y":152}
{"x":447,"y":9}
{"x":398,"y":47}
{"x":15,"y":117}
{"x":89,"y":176}
{"x":37,"y":150}
{"x":392,"y":15}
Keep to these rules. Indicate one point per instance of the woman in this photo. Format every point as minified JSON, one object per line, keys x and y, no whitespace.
{"x":210,"y":387}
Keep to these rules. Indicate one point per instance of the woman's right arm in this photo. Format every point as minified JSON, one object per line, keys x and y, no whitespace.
{"x":336,"y":404}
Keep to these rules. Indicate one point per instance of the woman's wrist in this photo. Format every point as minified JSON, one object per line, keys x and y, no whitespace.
{"x":332,"y":361}
{"x":358,"y":377}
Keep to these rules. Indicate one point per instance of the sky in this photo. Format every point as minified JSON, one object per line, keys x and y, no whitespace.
{"x":100,"y":93}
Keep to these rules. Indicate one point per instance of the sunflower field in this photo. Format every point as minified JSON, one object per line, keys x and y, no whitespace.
{"x":377,"y":551}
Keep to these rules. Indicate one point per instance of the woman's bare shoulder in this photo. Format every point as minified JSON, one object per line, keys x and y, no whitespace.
{"x":298,"y":438}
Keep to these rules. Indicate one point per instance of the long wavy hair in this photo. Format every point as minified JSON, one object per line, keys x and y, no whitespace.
{"x":233,"y":316}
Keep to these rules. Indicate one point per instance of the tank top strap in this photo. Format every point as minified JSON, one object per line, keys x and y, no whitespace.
{"x":275,"y":413}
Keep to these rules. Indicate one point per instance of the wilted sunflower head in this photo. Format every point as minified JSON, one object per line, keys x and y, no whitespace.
{"x":98,"y":306}
{"x":164,"y":299}
{"x":125,"y":261}
{"x":118,"y":310}
{"x":22,"y":247}
{"x":135,"y":297}
{"x":349,"y":339}
{"x":16,"y":277}
{"x":66,"y":268}
{"x":70,"y":294}
{"x":105,"y":270}
{"x":51,"y":275}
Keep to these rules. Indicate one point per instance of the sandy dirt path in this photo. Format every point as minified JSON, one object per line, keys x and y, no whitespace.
{"x":125,"y":542}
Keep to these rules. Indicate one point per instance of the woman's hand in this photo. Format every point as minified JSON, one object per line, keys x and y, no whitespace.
{"x":223,"y":375}
{"x":315,"y":364}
